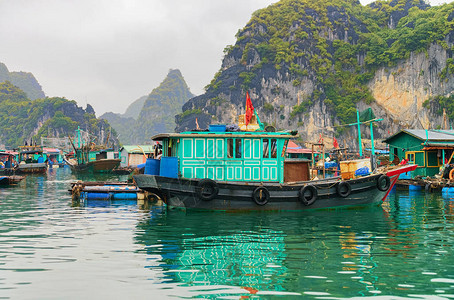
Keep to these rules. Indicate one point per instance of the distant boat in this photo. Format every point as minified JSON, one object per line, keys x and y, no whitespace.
{"x":91,"y":158}
{"x":31,"y":160}
{"x":93,"y":161}
{"x":8,"y":168}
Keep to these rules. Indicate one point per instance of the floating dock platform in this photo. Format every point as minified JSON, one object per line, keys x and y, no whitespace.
{"x":112,"y":193}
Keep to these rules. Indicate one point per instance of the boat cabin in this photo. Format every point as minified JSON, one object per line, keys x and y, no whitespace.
{"x":31,"y":154}
{"x":231,"y":156}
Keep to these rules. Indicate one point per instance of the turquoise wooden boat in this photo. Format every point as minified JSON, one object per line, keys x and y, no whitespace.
{"x":248,"y":171}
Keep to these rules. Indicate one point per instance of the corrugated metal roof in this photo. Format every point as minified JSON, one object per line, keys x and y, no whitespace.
{"x":432,"y":135}
{"x":138,"y":148}
{"x":429,"y":135}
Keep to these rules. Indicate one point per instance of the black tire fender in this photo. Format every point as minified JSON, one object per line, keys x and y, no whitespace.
{"x":308,"y":194}
{"x":261,"y":195}
{"x":383,"y":182}
{"x":207,"y":189}
{"x":343,"y":189}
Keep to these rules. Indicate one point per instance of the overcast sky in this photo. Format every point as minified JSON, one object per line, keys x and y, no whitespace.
{"x":108,"y":53}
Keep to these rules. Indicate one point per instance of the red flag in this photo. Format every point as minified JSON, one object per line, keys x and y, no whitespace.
{"x":249,"y":109}
{"x":197,"y":124}
{"x":335,"y":143}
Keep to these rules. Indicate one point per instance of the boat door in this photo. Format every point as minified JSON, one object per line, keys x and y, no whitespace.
{"x":269,"y":166}
{"x":252,"y":159}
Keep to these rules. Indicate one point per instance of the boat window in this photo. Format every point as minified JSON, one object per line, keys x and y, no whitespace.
{"x":238,"y":148}
{"x":265,"y":148}
{"x":273,"y":148}
{"x":230,"y":148}
{"x":169,"y":148}
{"x":284,"y":148}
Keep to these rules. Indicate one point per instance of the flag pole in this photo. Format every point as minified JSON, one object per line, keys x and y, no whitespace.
{"x":359,"y":135}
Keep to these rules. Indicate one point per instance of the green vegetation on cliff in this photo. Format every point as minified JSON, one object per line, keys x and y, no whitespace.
{"x":22,"y":119}
{"x":336,"y":44}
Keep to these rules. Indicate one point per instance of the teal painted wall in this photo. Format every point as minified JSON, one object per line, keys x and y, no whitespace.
{"x":231,"y":159}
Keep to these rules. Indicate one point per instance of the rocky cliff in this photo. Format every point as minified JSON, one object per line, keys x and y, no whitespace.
{"x":311,"y":65}
{"x":23,"y":80}
{"x":156,"y":111}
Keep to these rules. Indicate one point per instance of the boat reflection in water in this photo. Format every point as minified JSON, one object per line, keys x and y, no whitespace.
{"x":400,"y":248}
{"x":264,"y":253}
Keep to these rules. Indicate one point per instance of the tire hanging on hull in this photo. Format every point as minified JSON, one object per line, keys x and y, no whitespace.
{"x":261,"y":195}
{"x":383,"y":183}
{"x":207,"y":189}
{"x":308,"y":194}
{"x":343,"y":189}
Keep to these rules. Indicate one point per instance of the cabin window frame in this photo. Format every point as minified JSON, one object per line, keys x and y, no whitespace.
{"x":238,"y":148}
{"x":230,"y":148}
{"x":235,"y":148}
{"x":273,"y":148}
{"x":265,"y":148}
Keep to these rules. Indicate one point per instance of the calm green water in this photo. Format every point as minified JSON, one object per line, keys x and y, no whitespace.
{"x":51,"y":249}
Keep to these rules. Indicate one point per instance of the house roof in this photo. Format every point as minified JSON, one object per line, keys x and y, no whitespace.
{"x":51,"y":150}
{"x":294,"y":148}
{"x":137,"y":148}
{"x":431,"y":135}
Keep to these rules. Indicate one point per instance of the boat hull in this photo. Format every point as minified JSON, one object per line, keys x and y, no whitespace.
{"x":183,"y":193}
{"x":97,"y":166}
{"x":32,"y":168}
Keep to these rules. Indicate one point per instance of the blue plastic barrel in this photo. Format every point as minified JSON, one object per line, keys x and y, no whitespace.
{"x":412,"y":187}
{"x":445,"y":190}
{"x":217,"y":128}
{"x":98,"y":196}
{"x":125,"y":196}
{"x":169,"y":167}
{"x":152,"y":166}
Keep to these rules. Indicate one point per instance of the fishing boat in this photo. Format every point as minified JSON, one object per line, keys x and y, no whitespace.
{"x":248,"y":171}
{"x":31,"y":160}
{"x":95,"y":161}
{"x":91,"y":158}
{"x":244,"y":167}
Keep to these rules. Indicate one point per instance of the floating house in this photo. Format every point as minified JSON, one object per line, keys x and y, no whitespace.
{"x":429,"y":149}
{"x":133,"y":155}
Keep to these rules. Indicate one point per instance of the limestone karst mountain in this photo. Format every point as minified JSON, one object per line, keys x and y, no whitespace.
{"x":157,"y":111}
{"x":311,"y":65}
